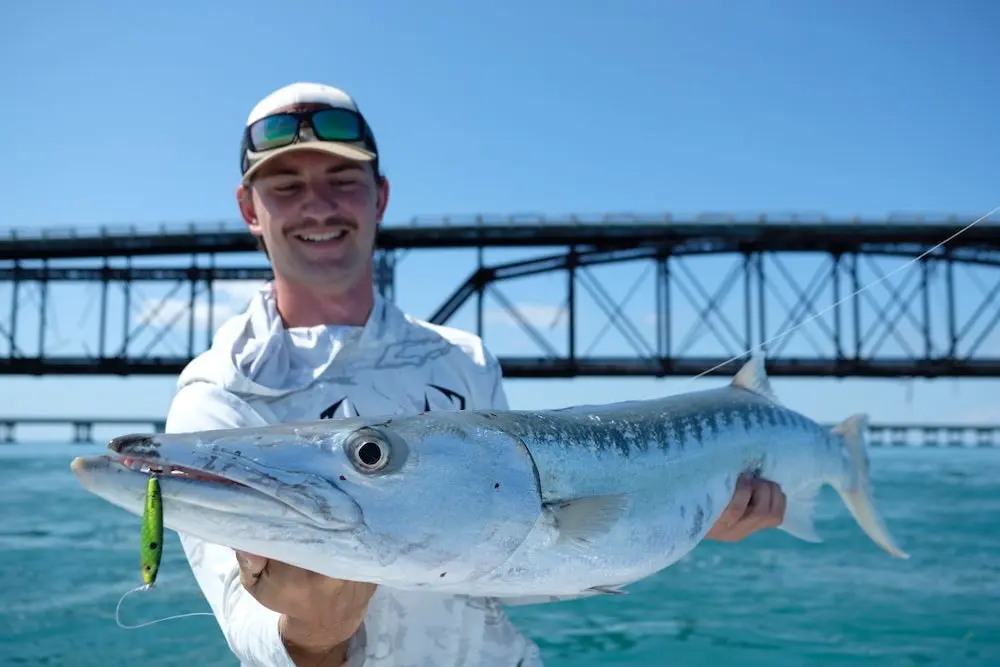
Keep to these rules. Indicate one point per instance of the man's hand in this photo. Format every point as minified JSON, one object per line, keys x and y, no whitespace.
{"x":319,"y":615}
{"x":757,"y":504}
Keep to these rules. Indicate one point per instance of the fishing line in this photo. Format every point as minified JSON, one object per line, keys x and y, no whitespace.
{"x":849,"y":296}
{"x":151,"y":551}
{"x":146,"y":587}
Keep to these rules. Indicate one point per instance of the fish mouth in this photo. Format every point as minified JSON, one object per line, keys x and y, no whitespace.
{"x":160,"y":469}
{"x":218,"y":480}
{"x":147,"y":467}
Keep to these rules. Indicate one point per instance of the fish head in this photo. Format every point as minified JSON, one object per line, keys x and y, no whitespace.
{"x":416,"y":501}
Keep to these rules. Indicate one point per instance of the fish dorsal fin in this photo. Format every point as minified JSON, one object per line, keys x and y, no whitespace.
{"x":753,"y":377}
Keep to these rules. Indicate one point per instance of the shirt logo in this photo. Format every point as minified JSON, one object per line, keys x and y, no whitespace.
{"x":350,"y":408}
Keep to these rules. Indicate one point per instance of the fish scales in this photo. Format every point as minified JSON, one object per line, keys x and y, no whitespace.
{"x":527,"y":506}
{"x":674,"y":466}
{"x":636,"y":435}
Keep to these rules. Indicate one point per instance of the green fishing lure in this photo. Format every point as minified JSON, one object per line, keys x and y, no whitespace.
{"x":151,"y":550}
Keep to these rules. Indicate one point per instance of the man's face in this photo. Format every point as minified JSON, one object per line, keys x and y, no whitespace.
{"x":317,"y":214}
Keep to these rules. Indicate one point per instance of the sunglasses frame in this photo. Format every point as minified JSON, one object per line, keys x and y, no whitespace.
{"x":364,"y":132}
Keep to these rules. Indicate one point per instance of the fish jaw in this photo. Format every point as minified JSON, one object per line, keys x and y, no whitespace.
{"x":227,"y":495}
{"x":222,"y":470}
{"x":228,"y":514}
{"x":317,"y":495}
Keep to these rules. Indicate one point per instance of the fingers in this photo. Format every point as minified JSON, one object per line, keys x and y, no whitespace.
{"x":298,"y":592}
{"x":757,"y":504}
{"x":252,"y":570}
{"x":743,"y":496}
{"x":761,"y":509}
{"x":251,"y":562}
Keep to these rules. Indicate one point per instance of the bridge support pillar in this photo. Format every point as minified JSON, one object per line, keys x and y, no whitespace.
{"x":6,"y":432}
{"x":385,"y":273}
{"x":83,"y":432}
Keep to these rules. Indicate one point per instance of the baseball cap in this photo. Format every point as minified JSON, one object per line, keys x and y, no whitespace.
{"x":273,"y":128}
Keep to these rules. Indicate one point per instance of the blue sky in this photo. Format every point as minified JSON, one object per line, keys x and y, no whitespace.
{"x":129,"y":114}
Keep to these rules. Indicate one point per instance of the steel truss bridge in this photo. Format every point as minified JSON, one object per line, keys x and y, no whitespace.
{"x":658,"y":296}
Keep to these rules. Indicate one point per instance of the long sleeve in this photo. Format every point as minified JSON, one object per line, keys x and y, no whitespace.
{"x":250,"y":629}
{"x":496,"y":396}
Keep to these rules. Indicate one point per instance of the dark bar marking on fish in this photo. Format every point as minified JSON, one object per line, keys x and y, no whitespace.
{"x":698,"y":522}
{"x":139,"y":444}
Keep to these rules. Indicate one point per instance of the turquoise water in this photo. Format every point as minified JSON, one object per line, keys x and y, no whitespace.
{"x":67,"y":557}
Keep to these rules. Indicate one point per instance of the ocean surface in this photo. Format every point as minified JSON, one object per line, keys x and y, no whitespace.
{"x":67,"y":557}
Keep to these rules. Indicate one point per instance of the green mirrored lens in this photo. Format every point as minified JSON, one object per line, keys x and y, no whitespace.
{"x":337,"y":125}
{"x":273,"y":132}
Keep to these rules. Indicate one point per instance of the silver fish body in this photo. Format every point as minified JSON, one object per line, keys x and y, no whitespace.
{"x":527,"y":506}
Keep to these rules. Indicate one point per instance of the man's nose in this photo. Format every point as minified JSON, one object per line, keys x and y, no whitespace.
{"x":319,"y":203}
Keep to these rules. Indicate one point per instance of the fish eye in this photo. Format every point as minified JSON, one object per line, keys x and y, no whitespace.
{"x":369,"y":453}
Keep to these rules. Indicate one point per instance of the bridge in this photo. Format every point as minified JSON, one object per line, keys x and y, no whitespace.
{"x":81,"y":431}
{"x":900,"y":296}
{"x":82,"y":428}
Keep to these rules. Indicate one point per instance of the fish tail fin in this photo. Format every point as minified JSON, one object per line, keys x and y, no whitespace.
{"x":857,"y":493}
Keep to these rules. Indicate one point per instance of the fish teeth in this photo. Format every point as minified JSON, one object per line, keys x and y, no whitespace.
{"x":144,"y":467}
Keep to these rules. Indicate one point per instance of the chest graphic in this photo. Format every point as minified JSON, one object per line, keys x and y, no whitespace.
{"x":434,"y":396}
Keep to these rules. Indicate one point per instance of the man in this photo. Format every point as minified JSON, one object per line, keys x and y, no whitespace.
{"x":320,"y":342}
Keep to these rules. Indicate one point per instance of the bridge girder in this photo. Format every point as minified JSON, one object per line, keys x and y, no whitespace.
{"x":939,"y":328}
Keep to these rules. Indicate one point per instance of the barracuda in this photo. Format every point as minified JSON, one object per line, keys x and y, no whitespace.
{"x":529,"y":506}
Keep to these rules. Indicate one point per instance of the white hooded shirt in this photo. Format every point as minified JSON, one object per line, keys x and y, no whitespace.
{"x":257,"y":372}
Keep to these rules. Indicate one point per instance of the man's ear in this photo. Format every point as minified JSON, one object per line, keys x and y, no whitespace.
{"x":244,"y":199}
{"x":383,"y":199}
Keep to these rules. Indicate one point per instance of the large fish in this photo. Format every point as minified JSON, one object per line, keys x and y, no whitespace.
{"x":523,"y":505}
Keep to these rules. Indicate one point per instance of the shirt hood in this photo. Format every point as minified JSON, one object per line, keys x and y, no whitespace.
{"x":255,"y":356}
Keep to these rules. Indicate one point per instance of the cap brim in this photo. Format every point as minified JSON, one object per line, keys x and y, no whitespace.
{"x":346,"y":150}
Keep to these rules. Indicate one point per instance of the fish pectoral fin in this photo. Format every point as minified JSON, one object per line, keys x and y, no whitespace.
{"x":800,"y":511}
{"x":753,"y":377}
{"x":578,"y":521}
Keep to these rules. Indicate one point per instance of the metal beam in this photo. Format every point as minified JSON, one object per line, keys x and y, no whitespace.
{"x":714,"y":232}
{"x":845,"y":313}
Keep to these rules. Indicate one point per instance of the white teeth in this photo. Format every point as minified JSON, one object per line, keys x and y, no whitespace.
{"x":170,"y":471}
{"x":325,"y":236}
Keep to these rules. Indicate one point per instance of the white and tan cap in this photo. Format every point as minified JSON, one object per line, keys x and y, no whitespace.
{"x":297,"y":94}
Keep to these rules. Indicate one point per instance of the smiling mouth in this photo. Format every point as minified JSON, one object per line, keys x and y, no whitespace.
{"x":319,"y":237}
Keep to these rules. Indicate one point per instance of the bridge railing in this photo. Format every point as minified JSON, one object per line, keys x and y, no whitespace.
{"x":520,"y":220}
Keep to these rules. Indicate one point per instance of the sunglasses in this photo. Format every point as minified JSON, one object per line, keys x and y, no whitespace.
{"x":282,"y":129}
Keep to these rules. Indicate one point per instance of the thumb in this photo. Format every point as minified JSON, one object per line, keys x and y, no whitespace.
{"x":251,"y":562}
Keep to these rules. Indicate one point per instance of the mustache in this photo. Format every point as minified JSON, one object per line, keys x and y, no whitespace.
{"x":332,"y":222}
